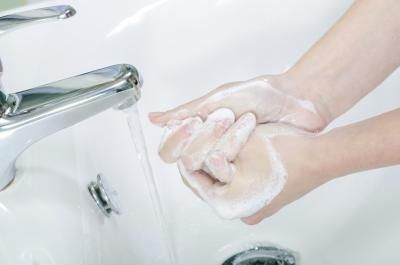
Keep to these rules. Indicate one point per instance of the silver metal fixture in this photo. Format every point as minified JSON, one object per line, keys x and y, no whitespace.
{"x":28,"y":116}
{"x":104,"y":195}
{"x":262,"y":256}
{"x":16,"y":20}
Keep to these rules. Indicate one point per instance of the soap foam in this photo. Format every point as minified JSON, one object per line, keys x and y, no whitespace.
{"x":254,"y":196}
{"x":270,"y":104}
{"x":258,"y":195}
{"x":228,"y":147}
{"x":203,"y":142}
{"x":193,"y":183}
{"x":169,"y":128}
{"x":221,"y":114}
{"x":218,"y":166}
{"x":192,"y":124}
{"x":236,"y":137}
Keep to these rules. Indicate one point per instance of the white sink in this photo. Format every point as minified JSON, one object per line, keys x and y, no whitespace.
{"x":182,"y":48}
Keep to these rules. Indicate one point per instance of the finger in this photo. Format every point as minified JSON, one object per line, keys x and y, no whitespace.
{"x":215,"y":126}
{"x":199,"y":182}
{"x":190,"y":109}
{"x":202,"y":106}
{"x":217,"y":166}
{"x":176,"y":136}
{"x":237,"y":135}
{"x":228,"y":147}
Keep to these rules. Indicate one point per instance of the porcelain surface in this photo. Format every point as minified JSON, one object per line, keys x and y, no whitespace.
{"x":183,"y":49}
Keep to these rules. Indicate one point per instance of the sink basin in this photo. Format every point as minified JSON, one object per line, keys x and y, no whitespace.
{"x":183,"y":49}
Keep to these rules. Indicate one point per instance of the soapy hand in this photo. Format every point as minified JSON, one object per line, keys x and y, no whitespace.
{"x":268,"y":97}
{"x":238,"y":169}
{"x":258,"y":176}
{"x":223,"y":157}
{"x":199,"y":145}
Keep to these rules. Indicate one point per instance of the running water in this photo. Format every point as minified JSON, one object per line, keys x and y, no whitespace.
{"x":132,"y":116}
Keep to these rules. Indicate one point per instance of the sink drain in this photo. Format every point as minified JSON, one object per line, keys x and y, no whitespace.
{"x":262,"y":256}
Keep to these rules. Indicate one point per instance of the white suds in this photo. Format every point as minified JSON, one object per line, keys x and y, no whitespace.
{"x":214,"y":127}
{"x":236,"y":137}
{"x":228,"y":147}
{"x":308,"y":105}
{"x":259,"y":194}
{"x":250,"y":194}
{"x":169,"y":128}
{"x":192,"y":125}
{"x":221,"y":114}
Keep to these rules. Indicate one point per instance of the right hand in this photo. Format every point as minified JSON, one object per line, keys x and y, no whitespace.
{"x":267,"y":97}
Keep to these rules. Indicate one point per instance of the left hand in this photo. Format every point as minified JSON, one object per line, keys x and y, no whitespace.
{"x":242,"y":172}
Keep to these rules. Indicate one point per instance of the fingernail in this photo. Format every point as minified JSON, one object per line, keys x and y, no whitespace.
{"x":154,"y":118}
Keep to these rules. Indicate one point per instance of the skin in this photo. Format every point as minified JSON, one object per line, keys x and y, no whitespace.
{"x":349,"y":149}
{"x":354,"y":57}
{"x":267,"y":97}
{"x":360,"y":51}
{"x":369,"y":144}
{"x":208,"y":146}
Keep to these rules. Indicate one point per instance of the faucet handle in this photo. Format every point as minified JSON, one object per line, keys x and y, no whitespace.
{"x":19,"y":19}
{"x":16,"y":20}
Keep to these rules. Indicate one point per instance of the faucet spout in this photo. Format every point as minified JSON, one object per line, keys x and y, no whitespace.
{"x":53,"y":13}
{"x":29,"y":116}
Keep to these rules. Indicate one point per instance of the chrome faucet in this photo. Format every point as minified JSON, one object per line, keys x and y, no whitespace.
{"x":30,"y":115}
{"x":17,"y":20}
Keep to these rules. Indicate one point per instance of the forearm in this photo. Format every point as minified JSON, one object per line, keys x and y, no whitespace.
{"x":354,"y":57}
{"x":369,"y":144}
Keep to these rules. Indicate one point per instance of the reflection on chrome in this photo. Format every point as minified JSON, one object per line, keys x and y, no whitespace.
{"x":16,"y":20}
{"x":28,"y":116}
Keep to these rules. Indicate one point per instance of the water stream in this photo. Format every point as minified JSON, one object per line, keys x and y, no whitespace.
{"x":133,"y":120}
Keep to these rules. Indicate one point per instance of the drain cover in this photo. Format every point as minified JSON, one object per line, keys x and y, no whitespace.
{"x":262,"y":256}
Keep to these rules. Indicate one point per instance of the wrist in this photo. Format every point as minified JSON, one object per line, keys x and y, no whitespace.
{"x":309,"y":89}
{"x":298,"y":107}
{"x":321,"y":159}
{"x":330,"y":155}
{"x":301,"y":156}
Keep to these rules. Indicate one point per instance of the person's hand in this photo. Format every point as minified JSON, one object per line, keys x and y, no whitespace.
{"x":295,"y":158}
{"x":240,"y":170}
{"x":269,"y":172}
{"x":270,"y":98}
{"x":217,"y":140}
